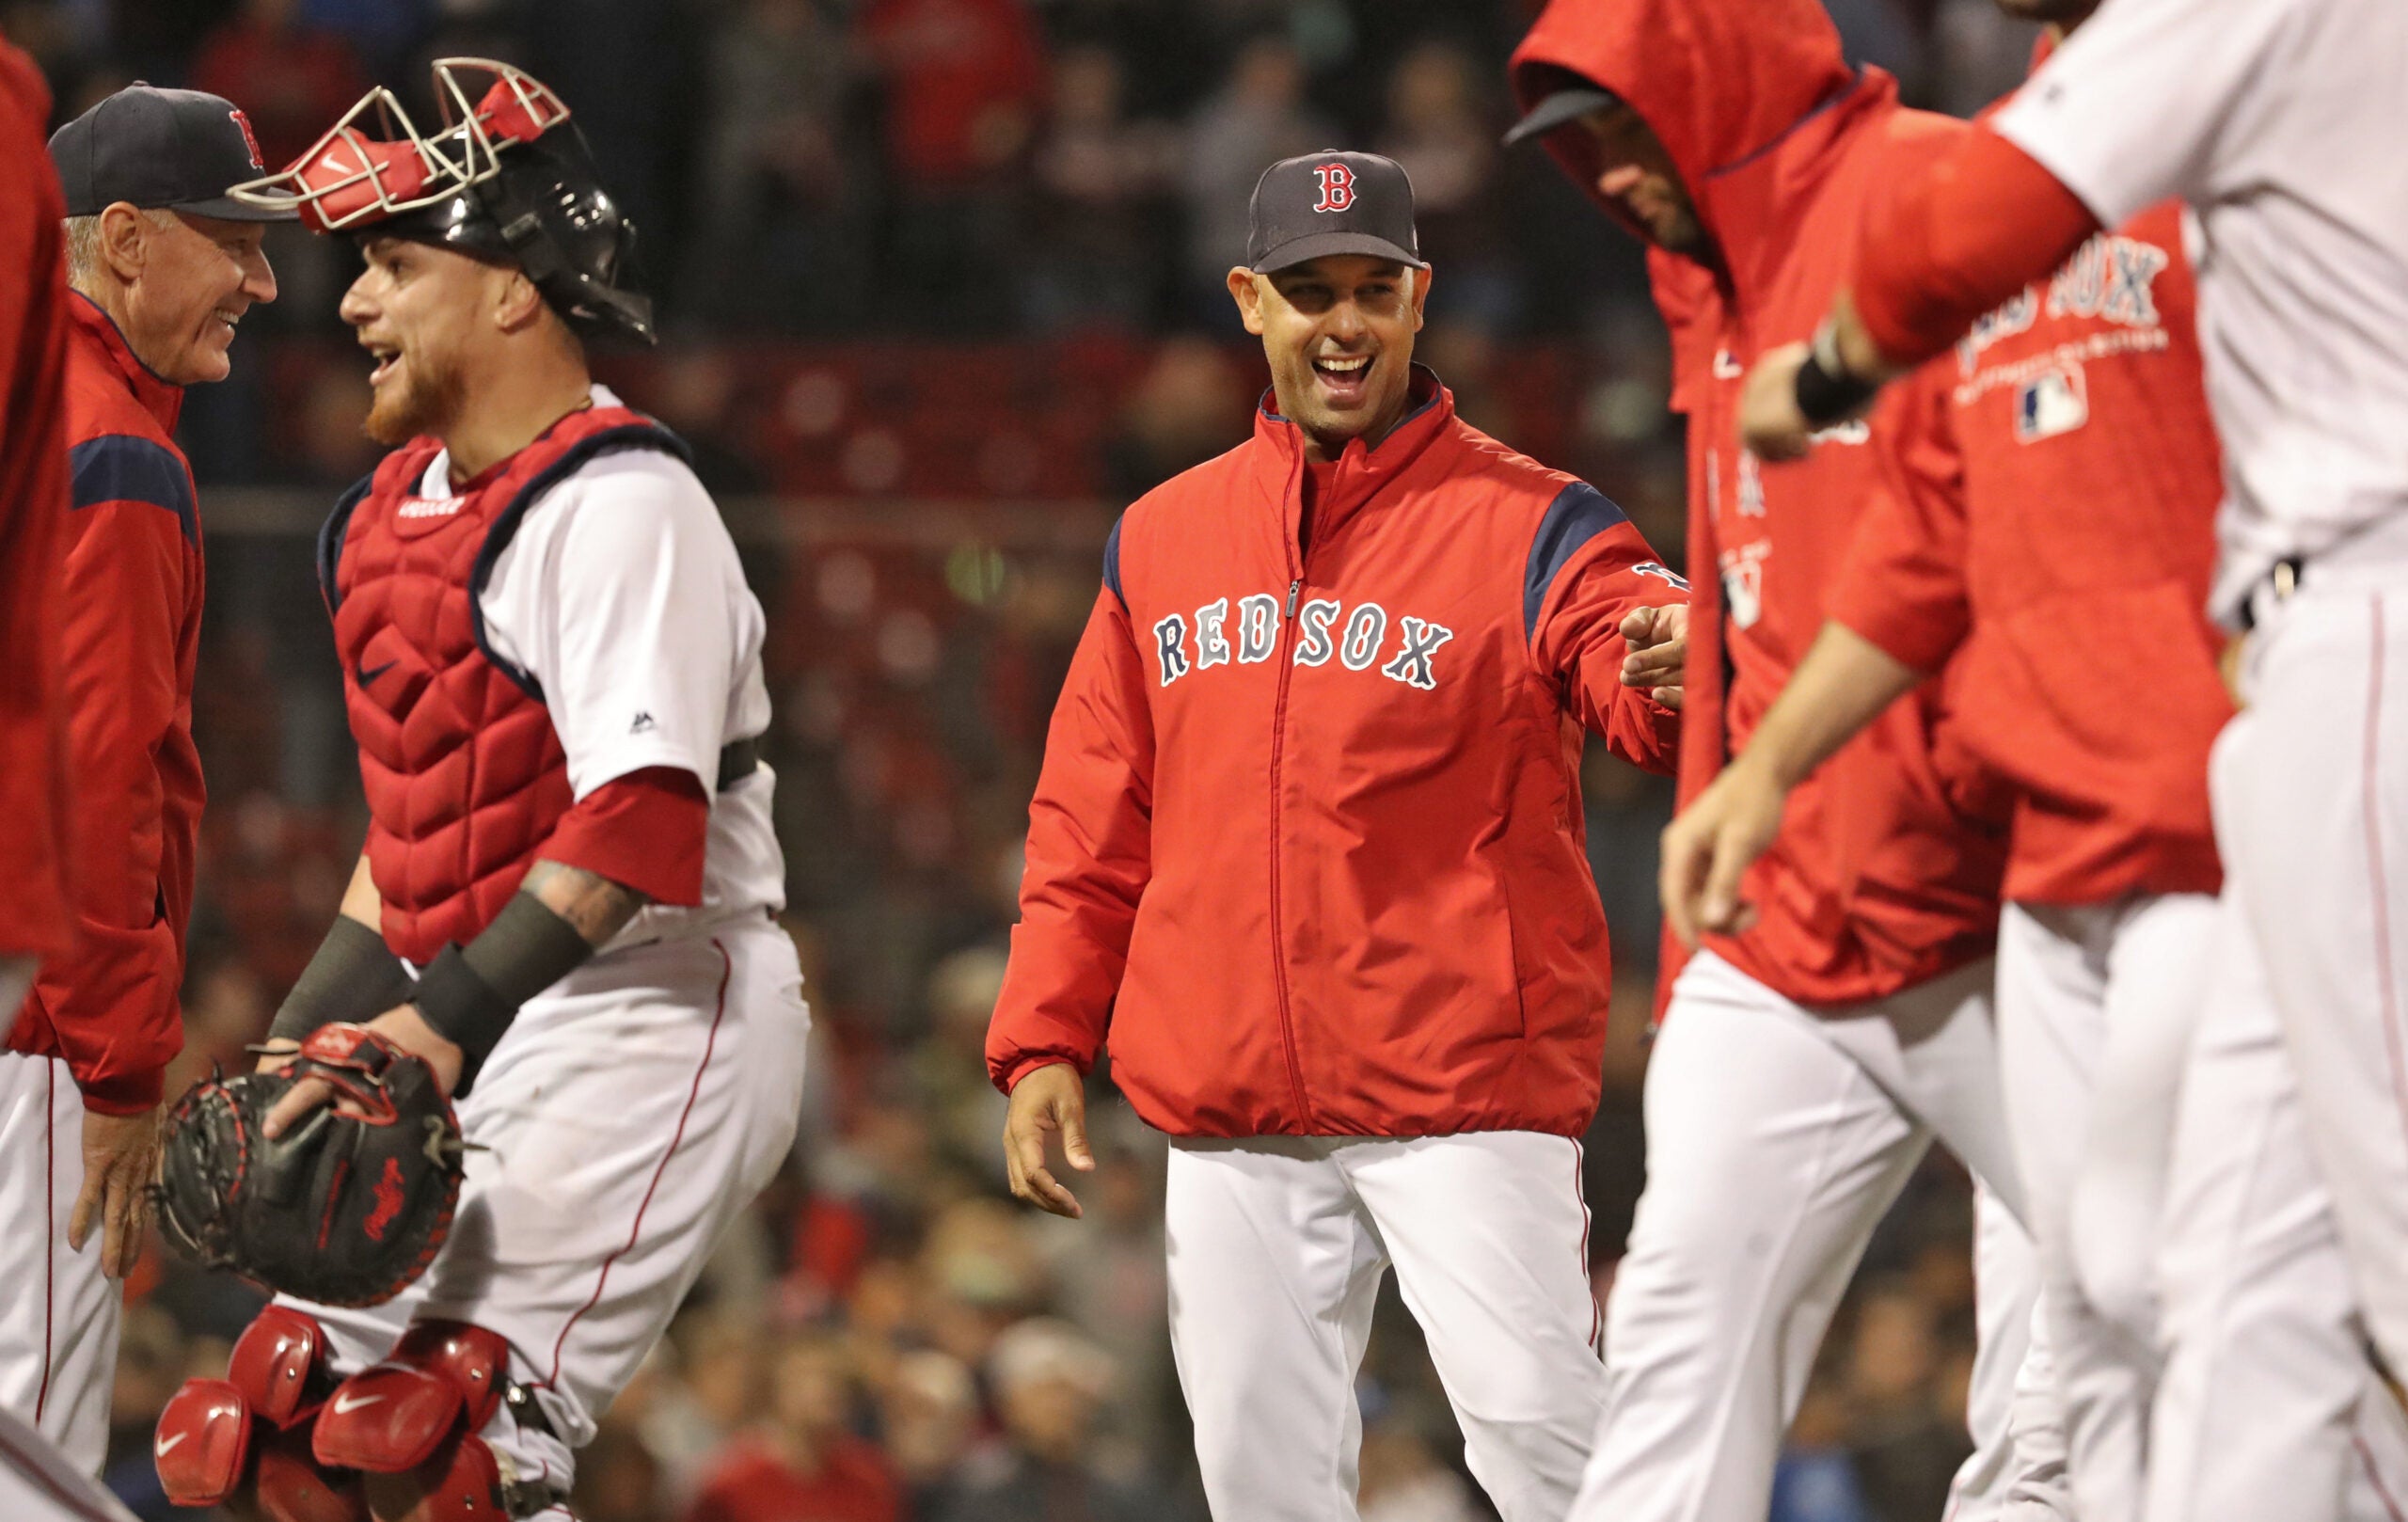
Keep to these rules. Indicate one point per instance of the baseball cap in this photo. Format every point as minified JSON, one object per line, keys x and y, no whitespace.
{"x":156,"y":149}
{"x":1569,"y":103}
{"x":1331,"y":203}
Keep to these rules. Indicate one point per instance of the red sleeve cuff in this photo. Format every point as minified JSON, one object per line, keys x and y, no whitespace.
{"x":648,"y":831}
{"x":129,"y":1093}
{"x":1021,"y":1069}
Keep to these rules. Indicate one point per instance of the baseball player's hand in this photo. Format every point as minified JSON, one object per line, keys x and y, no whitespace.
{"x":1047,"y":1100}
{"x":120,"y":1160}
{"x":1711,"y":844}
{"x":404,"y":1027}
{"x":278,"y":1054}
{"x":1659,"y":647}
{"x":1770,"y":424}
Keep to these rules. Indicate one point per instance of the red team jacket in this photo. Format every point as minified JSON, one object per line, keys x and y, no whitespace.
{"x":2084,"y":522}
{"x":33,"y":916}
{"x":1887,"y":869}
{"x":1308,"y":844}
{"x":129,"y":605}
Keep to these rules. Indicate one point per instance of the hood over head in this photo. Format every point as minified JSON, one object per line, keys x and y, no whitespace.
{"x":1718,"y":80}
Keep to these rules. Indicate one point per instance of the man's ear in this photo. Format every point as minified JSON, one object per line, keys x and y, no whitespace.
{"x":1246,"y":288}
{"x":516,"y":302}
{"x":1421,"y":295}
{"x":125,"y":240}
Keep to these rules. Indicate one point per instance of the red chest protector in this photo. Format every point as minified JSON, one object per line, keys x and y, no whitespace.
{"x":464,"y":772}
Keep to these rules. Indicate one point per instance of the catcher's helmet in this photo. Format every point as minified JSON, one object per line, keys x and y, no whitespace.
{"x":507,"y":177}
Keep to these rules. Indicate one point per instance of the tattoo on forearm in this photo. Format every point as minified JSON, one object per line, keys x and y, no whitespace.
{"x":596,"y":906}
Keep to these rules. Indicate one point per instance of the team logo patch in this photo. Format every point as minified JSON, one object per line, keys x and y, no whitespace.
{"x":413,"y":508}
{"x":249,"y":142}
{"x":2052,"y":402}
{"x":1337,"y":188}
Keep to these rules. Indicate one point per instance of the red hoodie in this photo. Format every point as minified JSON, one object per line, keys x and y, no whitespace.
{"x":2086,"y":523}
{"x":34,"y":913}
{"x":1309,"y":837}
{"x":1887,"y":869}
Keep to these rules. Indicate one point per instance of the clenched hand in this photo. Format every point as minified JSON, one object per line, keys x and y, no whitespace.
{"x":1659,"y":647}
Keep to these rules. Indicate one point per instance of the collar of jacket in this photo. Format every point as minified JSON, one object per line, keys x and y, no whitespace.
{"x":1362,"y":472}
{"x":1757,"y":204}
{"x":163,"y":399}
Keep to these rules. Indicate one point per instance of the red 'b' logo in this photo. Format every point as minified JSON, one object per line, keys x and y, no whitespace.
{"x":1337,"y":188}
{"x":249,"y":141}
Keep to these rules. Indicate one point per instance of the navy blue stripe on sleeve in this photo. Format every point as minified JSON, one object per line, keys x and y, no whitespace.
{"x":1111,"y":564}
{"x":1578,"y":514}
{"x":123,"y":468}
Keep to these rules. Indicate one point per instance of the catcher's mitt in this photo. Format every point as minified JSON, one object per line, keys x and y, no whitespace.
{"x":340,"y":1210}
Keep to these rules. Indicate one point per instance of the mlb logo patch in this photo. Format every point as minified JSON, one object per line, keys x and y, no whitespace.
{"x":2056,"y":402}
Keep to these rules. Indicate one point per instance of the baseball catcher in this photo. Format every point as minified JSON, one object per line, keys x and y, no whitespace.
{"x":564,"y":917}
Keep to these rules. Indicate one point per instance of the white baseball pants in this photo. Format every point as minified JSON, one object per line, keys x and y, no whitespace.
{"x":58,"y":1312}
{"x":2096,"y":1006}
{"x":38,"y":1484}
{"x":1276,"y":1248}
{"x":1776,"y":1139}
{"x":625,"y":1118}
{"x":2267,"y":1408}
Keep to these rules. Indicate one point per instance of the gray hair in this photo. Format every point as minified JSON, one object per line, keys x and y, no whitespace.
{"x":84,"y":247}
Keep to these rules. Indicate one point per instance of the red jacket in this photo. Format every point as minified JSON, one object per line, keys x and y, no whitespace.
{"x":2084,"y":523}
{"x":1887,"y":867}
{"x":128,"y":608}
{"x":1308,"y":841}
{"x":34,"y":915}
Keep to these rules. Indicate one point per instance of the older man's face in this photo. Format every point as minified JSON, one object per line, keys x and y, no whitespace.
{"x":200,"y":275}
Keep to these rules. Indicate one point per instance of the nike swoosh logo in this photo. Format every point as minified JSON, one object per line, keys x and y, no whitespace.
{"x":346,"y":1404}
{"x":369,"y":673}
{"x":167,"y":1444}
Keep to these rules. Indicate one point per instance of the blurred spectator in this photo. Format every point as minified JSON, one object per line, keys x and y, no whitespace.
{"x":150,"y":1368}
{"x":1816,"y":1479}
{"x":1440,"y":128}
{"x":1258,"y":117}
{"x":1906,"y":1443}
{"x":926,"y":1408}
{"x":805,"y":1461}
{"x":1403,"y":1480}
{"x":783,"y":235}
{"x":617,"y":1478}
{"x":291,"y":78}
{"x":1192,"y":404}
{"x":963,"y":80}
{"x":1096,"y":214}
{"x":1048,"y":1382}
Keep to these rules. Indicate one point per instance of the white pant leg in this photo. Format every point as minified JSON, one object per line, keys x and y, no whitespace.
{"x":1490,"y":1236}
{"x":1274,"y":1268}
{"x":59,"y":1314}
{"x":2263,"y":1373}
{"x":1934,"y":1049}
{"x":2095,"y":1004}
{"x":628,"y":1115}
{"x":2018,"y":1472}
{"x":1770,"y":1157}
{"x":2311,"y":799}
{"x":38,"y":1484}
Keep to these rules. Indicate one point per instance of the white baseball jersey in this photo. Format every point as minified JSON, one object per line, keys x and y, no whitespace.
{"x":621,"y":595}
{"x":2279,"y":121}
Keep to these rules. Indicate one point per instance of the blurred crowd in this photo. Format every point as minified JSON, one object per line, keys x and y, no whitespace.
{"x":941,"y":285}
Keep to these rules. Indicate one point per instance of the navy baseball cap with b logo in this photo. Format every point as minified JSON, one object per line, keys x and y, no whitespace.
{"x":160,"y":148}
{"x":1332,"y":203}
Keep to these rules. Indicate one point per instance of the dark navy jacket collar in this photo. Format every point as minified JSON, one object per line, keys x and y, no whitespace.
{"x":163,"y":399}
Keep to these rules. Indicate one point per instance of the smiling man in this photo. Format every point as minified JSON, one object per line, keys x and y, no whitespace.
{"x":162,"y":266}
{"x":1307,"y":841}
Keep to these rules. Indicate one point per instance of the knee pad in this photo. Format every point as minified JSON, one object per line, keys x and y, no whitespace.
{"x":246,"y":1435}
{"x":411,"y":1423}
{"x":442,"y":1379}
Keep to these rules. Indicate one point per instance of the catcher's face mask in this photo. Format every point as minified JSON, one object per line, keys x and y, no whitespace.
{"x":506,"y":177}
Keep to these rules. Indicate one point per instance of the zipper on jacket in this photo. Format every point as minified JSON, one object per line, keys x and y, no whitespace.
{"x":1278,"y":943}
